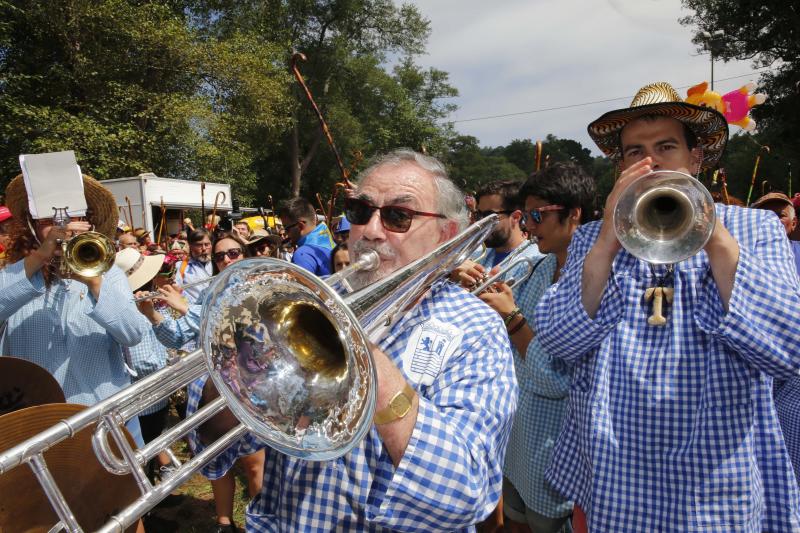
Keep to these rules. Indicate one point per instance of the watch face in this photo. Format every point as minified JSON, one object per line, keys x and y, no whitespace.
{"x":400,"y":405}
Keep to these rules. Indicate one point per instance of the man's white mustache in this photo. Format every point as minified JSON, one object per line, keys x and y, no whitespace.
{"x":382,"y":249}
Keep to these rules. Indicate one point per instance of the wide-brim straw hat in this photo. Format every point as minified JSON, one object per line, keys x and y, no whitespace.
{"x":138,"y":267}
{"x":661,"y":99}
{"x":257,"y":235}
{"x":93,"y":494}
{"x":25,"y":384}
{"x":99,"y":199}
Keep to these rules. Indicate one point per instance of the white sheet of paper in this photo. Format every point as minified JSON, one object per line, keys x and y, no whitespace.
{"x":53,"y":180}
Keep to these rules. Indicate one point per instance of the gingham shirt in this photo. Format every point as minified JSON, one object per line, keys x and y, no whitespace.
{"x":66,"y":331}
{"x":544,"y":383}
{"x":450,"y":475}
{"x":787,"y":404}
{"x":673,"y":428}
{"x":147,"y":357}
{"x":195,"y":271}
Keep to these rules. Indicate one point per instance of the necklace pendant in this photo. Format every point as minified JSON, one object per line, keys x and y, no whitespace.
{"x":658,"y":295}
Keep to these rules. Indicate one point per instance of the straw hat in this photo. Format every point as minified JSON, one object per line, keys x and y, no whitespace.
{"x":25,"y":384}
{"x":139,"y":268}
{"x":92,"y":493}
{"x":257,"y":235}
{"x":662,"y":99}
{"x":98,"y":198}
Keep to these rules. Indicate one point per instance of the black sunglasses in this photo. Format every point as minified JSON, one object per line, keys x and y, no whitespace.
{"x":233,"y":253}
{"x":393,"y":217}
{"x":483,"y":214}
{"x":536,"y":214}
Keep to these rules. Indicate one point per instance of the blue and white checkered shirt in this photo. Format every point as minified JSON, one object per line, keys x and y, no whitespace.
{"x":147,"y":357}
{"x":544,"y":383}
{"x":66,"y":331}
{"x":450,"y":474}
{"x":787,"y":404}
{"x":195,"y":271}
{"x":673,"y":428}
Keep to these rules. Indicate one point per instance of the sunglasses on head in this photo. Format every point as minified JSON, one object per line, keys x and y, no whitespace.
{"x":536,"y":214}
{"x":394,"y":218}
{"x":233,"y":253}
{"x":483,"y":214}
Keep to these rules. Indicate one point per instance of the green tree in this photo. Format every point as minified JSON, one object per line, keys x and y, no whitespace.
{"x":470,"y":165}
{"x":348,"y":44}
{"x":132,"y":87}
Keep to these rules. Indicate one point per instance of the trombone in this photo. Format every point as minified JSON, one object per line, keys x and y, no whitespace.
{"x":511,"y":262}
{"x":289,"y":357}
{"x":367,"y":261}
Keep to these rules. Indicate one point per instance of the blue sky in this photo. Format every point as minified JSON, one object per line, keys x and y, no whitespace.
{"x":512,"y":56}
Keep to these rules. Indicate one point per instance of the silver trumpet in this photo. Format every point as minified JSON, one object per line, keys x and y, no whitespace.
{"x":290,"y":358}
{"x":511,"y":262}
{"x":664,"y":217}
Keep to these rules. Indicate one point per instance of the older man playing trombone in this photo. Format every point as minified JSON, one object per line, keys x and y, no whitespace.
{"x":446,"y":390}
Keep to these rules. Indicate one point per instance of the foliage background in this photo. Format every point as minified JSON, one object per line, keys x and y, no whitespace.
{"x":202,"y":89}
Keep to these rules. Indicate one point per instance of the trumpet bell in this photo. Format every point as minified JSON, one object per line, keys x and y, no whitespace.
{"x":290,"y":358}
{"x":89,"y":254}
{"x":664,"y":217}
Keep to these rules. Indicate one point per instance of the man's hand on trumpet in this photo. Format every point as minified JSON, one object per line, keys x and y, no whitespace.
{"x":469,"y":274}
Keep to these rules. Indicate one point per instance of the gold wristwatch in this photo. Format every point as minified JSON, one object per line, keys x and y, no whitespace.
{"x":398,"y":407}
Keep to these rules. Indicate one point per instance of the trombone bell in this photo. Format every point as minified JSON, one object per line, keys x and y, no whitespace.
{"x":664,"y":217}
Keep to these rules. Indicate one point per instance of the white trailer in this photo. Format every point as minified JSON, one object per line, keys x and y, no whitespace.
{"x":147,"y":191}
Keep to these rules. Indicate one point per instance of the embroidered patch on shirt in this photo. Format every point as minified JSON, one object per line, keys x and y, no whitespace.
{"x":429,"y":347}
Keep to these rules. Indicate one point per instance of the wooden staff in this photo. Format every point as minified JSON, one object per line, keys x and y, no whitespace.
{"x":764,"y":185}
{"x":789,"y":171}
{"x":723,"y":177}
{"x":538,"y":155}
{"x":130,"y":213}
{"x":214,"y":211}
{"x":764,"y":149}
{"x":124,"y":215}
{"x":163,"y":219}
{"x":271,"y":205}
{"x":324,"y":125}
{"x":322,"y":209}
{"x":203,"y":204}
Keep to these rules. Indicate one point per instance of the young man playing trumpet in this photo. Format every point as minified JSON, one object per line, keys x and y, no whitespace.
{"x":498,"y":198}
{"x":672,"y":427}
{"x":446,"y":392}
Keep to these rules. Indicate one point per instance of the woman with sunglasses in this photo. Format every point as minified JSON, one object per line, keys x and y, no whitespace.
{"x":228,"y":249}
{"x":557,"y":201}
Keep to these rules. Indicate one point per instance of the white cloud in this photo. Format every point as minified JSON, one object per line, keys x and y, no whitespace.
{"x":510,"y":56}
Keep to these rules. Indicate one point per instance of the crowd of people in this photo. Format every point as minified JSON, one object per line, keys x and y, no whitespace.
{"x":553,"y":403}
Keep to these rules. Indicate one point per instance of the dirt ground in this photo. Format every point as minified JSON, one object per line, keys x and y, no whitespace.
{"x":193,"y":508}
